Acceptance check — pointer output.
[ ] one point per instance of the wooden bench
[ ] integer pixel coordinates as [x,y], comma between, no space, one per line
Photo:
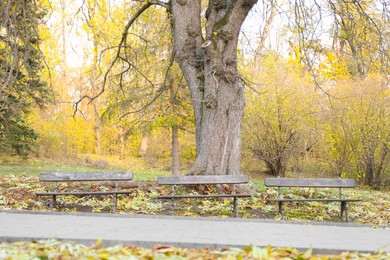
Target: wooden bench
[175,181]
[58,177]
[312,183]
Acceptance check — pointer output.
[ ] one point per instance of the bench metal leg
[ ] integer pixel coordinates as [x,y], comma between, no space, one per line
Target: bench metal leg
[346,212]
[173,200]
[116,197]
[53,202]
[235,207]
[54,197]
[281,209]
[115,203]
[173,207]
[344,208]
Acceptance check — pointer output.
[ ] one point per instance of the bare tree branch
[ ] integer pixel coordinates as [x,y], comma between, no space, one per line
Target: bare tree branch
[159,93]
[121,45]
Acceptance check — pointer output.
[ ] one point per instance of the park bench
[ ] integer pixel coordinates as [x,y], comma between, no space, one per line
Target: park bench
[176,181]
[96,177]
[312,183]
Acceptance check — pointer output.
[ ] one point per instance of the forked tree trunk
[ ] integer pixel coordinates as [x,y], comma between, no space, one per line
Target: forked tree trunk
[210,69]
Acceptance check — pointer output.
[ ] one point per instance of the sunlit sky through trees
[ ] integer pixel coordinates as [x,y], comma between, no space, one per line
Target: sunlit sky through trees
[77,41]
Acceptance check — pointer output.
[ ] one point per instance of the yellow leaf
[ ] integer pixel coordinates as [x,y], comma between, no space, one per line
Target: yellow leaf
[104,256]
[308,253]
[98,242]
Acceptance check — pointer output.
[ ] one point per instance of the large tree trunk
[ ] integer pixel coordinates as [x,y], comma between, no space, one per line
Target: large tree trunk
[210,69]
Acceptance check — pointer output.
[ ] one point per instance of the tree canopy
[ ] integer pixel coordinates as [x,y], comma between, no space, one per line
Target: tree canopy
[305,89]
[21,63]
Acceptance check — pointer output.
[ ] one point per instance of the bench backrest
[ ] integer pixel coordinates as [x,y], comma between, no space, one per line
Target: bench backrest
[86,176]
[208,179]
[310,182]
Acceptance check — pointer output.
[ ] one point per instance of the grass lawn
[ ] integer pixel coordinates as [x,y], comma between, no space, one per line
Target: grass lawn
[19,182]
[35,167]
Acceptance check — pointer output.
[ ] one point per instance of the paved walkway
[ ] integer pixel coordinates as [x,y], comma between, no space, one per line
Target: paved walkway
[146,231]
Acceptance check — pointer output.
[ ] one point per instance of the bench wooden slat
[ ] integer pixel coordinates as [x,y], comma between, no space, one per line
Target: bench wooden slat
[191,180]
[205,196]
[82,193]
[56,177]
[204,180]
[85,176]
[310,182]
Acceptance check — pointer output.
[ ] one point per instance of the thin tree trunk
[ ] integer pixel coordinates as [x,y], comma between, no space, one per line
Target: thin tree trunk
[122,143]
[63,38]
[369,171]
[144,143]
[98,139]
[188,40]
[175,151]
[270,15]
[175,130]
[381,166]
[98,147]
[93,77]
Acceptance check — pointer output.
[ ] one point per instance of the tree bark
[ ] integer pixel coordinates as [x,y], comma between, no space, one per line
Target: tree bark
[210,68]
[98,123]
[175,130]
[144,143]
[175,151]
[122,143]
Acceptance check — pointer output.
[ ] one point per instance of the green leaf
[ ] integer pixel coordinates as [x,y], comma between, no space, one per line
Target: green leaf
[259,253]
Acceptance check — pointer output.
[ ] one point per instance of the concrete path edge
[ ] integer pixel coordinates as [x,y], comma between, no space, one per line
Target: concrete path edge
[197,243]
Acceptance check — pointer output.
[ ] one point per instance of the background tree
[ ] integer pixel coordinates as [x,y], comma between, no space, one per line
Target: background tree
[20,64]
[359,130]
[358,33]
[269,13]
[146,87]
[209,65]
[281,115]
[60,135]
[360,60]
[146,95]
